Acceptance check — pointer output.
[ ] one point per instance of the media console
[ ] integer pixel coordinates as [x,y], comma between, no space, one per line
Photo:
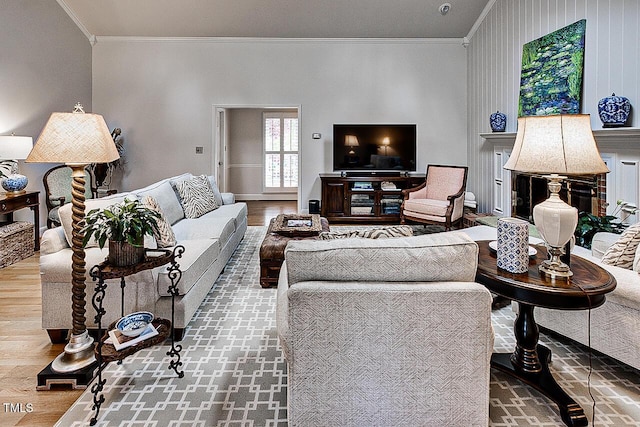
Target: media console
[364,197]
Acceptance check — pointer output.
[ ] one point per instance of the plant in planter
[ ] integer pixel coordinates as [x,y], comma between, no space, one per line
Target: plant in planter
[125,226]
[589,225]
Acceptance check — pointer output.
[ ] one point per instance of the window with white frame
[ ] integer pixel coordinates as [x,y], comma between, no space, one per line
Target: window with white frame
[280,151]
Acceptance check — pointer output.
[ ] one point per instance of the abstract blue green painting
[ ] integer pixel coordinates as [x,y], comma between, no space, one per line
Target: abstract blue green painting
[551,76]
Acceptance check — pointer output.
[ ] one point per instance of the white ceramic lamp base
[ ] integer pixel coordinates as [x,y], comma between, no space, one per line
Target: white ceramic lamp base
[556,221]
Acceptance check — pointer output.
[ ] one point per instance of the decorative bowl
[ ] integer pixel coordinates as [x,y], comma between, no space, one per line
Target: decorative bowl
[133,324]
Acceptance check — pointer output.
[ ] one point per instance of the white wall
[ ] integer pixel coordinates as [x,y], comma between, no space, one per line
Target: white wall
[161,93]
[46,67]
[612,52]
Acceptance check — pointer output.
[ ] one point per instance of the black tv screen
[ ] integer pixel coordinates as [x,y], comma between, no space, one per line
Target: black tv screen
[374,147]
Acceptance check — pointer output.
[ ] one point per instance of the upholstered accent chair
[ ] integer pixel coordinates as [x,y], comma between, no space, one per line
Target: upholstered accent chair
[385,332]
[57,189]
[439,200]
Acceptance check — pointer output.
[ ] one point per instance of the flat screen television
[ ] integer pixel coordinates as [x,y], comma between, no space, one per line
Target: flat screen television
[374,147]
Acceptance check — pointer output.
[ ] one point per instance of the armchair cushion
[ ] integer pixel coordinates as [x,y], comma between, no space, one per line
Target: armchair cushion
[443,182]
[427,206]
[432,257]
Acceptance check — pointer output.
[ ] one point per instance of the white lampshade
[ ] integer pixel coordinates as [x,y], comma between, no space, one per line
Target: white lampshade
[74,138]
[561,144]
[555,145]
[351,141]
[15,147]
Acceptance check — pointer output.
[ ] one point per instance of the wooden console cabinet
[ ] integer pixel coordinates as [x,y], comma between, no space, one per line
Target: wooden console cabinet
[363,198]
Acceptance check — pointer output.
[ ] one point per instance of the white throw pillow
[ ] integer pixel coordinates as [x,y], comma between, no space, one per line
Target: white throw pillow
[216,191]
[164,235]
[196,196]
[89,205]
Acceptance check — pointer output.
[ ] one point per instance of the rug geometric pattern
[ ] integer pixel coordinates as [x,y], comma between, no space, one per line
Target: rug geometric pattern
[235,373]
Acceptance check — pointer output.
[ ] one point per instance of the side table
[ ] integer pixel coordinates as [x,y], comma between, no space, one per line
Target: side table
[529,362]
[105,354]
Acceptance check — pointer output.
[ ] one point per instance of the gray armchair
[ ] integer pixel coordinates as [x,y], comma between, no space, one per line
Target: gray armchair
[386,332]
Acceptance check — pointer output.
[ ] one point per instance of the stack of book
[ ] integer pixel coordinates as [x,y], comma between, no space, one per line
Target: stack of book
[121,341]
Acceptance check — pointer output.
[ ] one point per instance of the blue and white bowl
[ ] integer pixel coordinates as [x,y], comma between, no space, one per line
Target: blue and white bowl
[133,324]
[14,183]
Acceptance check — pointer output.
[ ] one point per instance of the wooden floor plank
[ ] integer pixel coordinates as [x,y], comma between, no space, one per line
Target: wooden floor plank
[25,348]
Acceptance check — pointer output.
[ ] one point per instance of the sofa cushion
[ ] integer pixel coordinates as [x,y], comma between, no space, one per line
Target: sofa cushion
[205,228]
[216,191]
[197,258]
[433,257]
[196,196]
[623,251]
[89,205]
[166,197]
[601,242]
[164,235]
[370,233]
[237,211]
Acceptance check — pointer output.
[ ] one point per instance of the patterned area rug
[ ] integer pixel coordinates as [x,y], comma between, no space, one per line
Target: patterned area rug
[235,374]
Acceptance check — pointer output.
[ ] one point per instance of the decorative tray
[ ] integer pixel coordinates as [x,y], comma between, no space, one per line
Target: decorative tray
[297,225]
[110,354]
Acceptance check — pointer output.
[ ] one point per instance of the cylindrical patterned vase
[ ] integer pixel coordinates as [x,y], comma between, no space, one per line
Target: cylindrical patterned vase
[513,245]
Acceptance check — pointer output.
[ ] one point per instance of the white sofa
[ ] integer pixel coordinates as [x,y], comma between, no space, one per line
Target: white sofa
[209,242]
[615,325]
[386,332]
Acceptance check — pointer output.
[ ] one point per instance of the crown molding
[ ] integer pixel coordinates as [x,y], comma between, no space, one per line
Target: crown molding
[480,19]
[282,40]
[76,20]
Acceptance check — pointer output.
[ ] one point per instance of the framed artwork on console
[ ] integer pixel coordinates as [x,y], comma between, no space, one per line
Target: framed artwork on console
[551,75]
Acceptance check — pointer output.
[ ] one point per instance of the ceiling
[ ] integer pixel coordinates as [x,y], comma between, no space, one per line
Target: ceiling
[275,18]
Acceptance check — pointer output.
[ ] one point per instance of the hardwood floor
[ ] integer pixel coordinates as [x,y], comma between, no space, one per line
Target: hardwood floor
[25,348]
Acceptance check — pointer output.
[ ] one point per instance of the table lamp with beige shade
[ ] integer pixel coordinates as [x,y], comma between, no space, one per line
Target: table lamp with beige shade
[555,146]
[76,139]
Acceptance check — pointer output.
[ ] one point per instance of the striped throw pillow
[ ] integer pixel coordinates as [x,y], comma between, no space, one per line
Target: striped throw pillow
[196,196]
[623,251]
[164,235]
[371,233]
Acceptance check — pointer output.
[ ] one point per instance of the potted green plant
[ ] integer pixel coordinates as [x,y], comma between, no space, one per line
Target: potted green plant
[589,224]
[124,225]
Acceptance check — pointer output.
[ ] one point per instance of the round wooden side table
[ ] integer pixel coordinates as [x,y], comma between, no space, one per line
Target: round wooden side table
[529,362]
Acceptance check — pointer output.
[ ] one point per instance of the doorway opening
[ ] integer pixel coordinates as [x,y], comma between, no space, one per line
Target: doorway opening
[253,156]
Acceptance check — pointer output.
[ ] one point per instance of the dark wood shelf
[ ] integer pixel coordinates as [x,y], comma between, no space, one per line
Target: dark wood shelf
[110,354]
[340,205]
[152,258]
